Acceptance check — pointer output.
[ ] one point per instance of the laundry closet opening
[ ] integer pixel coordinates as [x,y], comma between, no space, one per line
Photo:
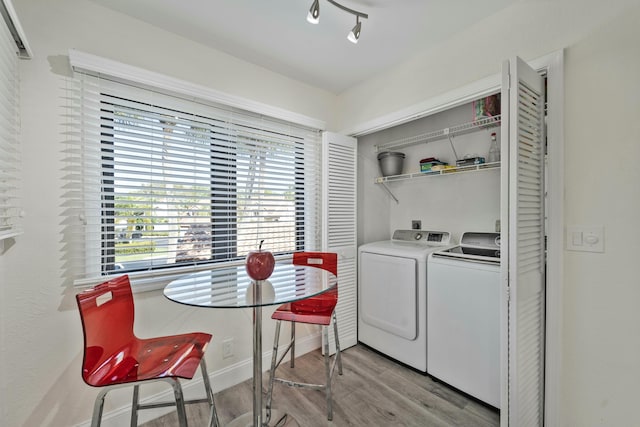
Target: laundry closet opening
[450,181]
[456,188]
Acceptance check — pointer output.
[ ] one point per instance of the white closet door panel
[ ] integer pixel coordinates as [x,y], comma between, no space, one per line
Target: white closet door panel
[524,256]
[339,231]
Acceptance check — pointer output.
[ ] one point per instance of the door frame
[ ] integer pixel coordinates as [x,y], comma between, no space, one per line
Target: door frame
[553,66]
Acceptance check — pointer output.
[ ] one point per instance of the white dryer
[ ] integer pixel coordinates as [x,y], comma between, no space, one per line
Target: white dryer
[392,294]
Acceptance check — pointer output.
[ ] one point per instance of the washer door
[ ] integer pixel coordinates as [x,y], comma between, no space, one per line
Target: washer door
[388,294]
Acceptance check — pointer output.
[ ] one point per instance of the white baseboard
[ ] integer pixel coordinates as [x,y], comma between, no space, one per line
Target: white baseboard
[220,380]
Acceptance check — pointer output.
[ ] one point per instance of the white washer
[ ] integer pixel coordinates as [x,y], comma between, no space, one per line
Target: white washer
[392,294]
[463,316]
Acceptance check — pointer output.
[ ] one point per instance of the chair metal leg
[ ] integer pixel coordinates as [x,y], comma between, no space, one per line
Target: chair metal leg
[293,344]
[96,419]
[335,335]
[177,392]
[327,368]
[134,406]
[272,371]
[213,418]
[179,401]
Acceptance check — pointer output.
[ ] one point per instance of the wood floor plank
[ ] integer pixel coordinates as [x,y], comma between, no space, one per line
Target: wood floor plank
[373,391]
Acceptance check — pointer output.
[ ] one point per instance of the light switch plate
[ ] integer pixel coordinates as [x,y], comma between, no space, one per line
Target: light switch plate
[585,239]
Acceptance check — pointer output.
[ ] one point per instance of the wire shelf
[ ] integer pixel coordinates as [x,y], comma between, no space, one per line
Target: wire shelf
[456,170]
[487,122]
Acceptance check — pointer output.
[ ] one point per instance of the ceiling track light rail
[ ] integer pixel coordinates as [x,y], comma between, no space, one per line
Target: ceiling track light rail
[353,36]
[346,9]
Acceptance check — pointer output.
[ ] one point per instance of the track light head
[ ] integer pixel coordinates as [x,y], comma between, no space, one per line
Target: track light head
[314,12]
[354,35]
[314,17]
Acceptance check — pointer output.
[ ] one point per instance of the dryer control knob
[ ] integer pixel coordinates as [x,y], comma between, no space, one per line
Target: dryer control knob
[417,236]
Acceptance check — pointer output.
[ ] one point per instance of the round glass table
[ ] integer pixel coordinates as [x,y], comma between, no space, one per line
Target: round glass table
[231,287]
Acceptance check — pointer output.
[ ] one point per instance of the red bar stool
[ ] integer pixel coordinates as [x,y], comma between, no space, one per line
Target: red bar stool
[318,310]
[114,357]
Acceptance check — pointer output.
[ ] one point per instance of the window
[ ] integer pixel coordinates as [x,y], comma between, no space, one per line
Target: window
[167,182]
[13,46]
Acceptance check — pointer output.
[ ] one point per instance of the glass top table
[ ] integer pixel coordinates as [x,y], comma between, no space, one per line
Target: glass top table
[231,287]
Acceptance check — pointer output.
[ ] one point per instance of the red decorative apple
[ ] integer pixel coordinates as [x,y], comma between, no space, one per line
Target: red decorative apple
[260,264]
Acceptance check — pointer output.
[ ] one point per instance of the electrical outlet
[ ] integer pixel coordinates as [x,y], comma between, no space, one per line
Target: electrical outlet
[227,348]
[416,224]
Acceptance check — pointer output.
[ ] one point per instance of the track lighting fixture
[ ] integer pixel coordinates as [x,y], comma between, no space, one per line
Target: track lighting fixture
[314,12]
[353,36]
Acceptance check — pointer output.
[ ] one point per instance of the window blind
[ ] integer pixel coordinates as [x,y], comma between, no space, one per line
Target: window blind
[158,182]
[10,159]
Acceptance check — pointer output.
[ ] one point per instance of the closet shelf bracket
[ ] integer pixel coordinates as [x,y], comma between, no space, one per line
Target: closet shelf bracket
[379,181]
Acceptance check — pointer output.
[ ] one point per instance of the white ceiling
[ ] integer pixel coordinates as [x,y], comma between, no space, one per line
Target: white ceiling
[274,34]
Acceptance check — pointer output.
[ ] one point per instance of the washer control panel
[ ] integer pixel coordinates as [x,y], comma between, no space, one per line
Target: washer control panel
[480,240]
[436,238]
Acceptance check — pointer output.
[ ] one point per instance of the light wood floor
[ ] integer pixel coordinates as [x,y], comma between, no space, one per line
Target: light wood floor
[373,391]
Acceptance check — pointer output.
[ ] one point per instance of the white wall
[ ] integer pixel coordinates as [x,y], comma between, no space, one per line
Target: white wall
[41,335]
[602,187]
[528,28]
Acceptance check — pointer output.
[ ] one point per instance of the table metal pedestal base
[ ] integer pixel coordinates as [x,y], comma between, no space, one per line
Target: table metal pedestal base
[278,419]
[257,417]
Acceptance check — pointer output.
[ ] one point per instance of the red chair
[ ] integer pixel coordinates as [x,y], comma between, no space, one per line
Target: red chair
[317,310]
[114,357]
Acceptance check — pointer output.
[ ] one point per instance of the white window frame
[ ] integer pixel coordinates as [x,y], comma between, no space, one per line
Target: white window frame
[90,64]
[13,46]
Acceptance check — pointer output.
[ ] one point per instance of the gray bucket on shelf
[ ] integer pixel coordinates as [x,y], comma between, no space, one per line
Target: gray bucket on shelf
[390,162]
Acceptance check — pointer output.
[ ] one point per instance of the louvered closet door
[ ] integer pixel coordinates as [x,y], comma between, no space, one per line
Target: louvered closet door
[339,228]
[523,136]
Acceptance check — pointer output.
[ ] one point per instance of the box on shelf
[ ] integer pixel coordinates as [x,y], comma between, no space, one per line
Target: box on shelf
[443,168]
[488,106]
[470,161]
[427,164]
